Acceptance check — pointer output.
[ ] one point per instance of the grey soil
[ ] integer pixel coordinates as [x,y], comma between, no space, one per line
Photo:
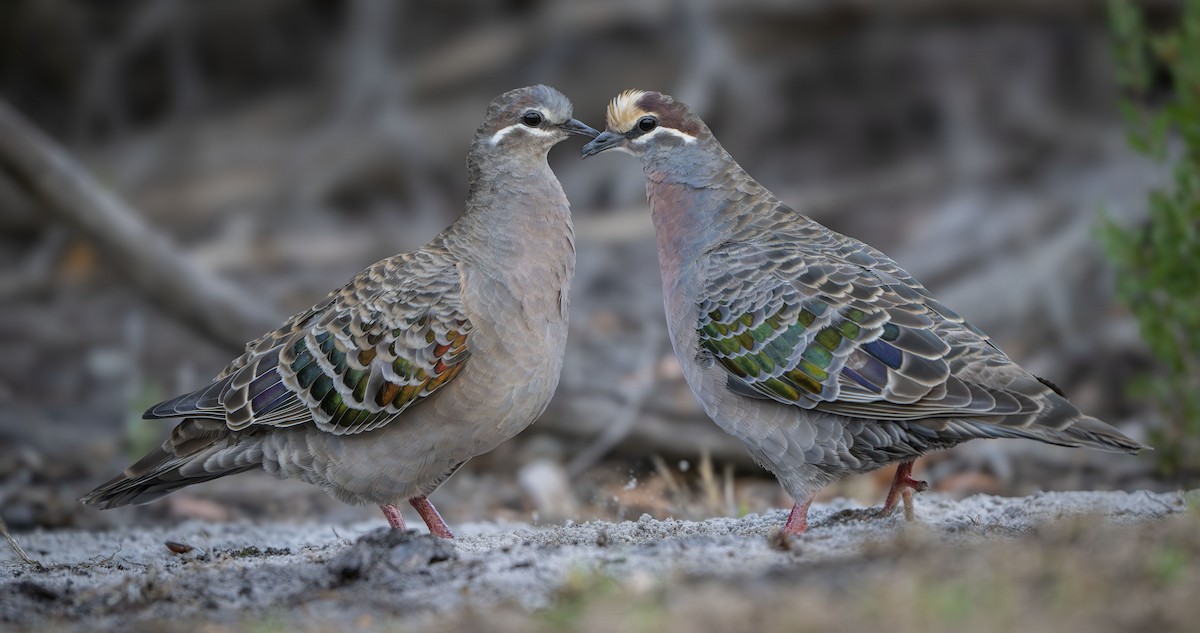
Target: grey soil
[305,572]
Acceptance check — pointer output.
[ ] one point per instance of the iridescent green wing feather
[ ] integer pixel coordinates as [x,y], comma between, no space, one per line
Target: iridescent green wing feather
[391,337]
[802,315]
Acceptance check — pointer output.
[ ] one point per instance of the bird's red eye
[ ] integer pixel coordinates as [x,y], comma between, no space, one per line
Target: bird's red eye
[647,123]
[532,119]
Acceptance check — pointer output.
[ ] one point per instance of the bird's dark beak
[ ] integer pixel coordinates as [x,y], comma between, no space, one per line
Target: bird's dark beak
[606,140]
[575,126]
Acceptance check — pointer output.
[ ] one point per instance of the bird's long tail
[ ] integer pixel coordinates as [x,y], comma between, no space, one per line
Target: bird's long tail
[1059,423]
[1086,431]
[198,450]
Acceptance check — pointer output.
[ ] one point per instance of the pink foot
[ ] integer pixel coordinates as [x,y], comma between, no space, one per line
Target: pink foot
[393,516]
[429,514]
[903,486]
[797,521]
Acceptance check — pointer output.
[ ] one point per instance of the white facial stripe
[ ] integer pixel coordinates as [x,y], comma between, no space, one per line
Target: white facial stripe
[502,133]
[499,135]
[687,138]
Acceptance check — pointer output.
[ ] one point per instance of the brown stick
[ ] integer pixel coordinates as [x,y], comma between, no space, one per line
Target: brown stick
[673,437]
[195,296]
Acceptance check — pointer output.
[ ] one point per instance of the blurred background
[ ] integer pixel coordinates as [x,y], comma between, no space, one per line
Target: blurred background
[280,146]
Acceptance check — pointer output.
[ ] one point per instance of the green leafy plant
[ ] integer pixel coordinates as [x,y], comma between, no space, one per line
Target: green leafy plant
[1158,262]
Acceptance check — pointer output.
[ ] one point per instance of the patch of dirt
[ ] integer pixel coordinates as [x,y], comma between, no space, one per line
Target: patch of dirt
[322,577]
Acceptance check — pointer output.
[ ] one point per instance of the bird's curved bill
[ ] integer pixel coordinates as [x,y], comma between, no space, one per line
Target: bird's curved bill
[575,126]
[605,141]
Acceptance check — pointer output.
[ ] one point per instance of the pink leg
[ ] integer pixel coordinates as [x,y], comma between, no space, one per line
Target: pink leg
[797,521]
[904,486]
[393,516]
[437,526]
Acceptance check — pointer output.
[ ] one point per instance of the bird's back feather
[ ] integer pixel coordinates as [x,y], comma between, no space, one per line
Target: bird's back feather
[392,336]
[802,315]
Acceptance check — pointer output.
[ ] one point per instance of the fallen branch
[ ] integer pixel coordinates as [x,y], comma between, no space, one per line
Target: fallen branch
[37,271]
[672,436]
[196,297]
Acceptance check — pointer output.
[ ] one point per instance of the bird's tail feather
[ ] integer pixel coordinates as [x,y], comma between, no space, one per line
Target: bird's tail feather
[1081,431]
[1092,433]
[1063,423]
[197,451]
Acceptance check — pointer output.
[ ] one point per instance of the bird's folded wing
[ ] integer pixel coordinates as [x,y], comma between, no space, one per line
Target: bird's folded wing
[813,318]
[392,336]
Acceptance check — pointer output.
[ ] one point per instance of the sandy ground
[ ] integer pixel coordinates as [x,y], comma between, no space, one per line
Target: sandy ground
[295,575]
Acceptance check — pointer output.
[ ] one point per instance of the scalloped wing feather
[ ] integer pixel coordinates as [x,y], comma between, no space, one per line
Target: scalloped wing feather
[799,314]
[385,341]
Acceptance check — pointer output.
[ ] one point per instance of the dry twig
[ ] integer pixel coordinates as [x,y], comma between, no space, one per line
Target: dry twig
[207,303]
[16,547]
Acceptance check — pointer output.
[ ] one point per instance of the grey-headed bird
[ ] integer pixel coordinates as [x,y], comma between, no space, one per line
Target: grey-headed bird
[424,360]
[817,351]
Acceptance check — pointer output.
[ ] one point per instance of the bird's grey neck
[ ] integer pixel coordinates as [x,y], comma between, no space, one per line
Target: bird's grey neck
[506,179]
[487,162]
[515,208]
[701,164]
[695,208]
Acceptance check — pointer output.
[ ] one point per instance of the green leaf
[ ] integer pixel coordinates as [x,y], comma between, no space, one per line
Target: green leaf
[1156,261]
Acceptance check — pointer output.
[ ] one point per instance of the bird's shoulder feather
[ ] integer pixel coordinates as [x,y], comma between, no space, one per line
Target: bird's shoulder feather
[800,314]
[392,336]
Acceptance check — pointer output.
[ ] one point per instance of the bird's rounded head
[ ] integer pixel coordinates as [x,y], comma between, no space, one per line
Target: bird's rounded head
[535,118]
[644,123]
